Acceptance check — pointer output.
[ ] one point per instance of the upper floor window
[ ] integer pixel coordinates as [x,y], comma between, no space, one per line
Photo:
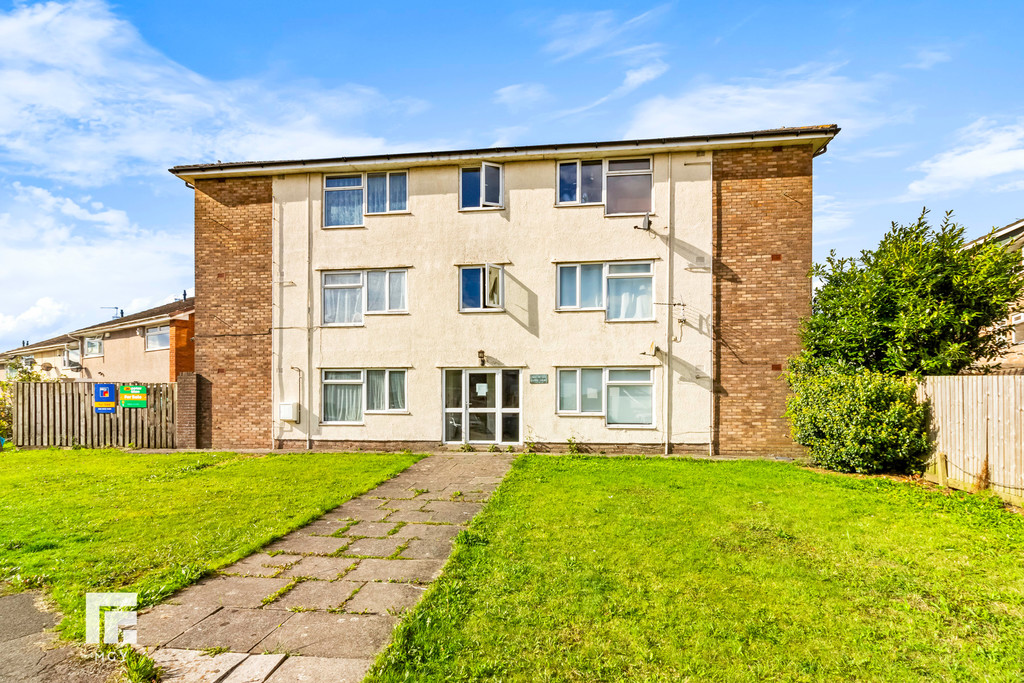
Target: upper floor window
[623,290]
[72,357]
[348,197]
[347,295]
[624,186]
[93,346]
[158,337]
[481,186]
[481,288]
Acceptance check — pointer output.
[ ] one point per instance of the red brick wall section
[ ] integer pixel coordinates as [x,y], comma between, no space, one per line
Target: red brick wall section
[233,312]
[183,348]
[762,257]
[185,415]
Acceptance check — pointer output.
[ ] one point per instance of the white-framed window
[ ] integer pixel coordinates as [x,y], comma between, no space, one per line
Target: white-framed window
[158,337]
[349,294]
[347,395]
[624,290]
[481,288]
[93,347]
[481,186]
[347,198]
[72,357]
[624,396]
[624,186]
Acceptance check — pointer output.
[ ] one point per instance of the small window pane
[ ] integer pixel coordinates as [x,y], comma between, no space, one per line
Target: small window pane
[158,338]
[590,182]
[629,375]
[343,207]
[343,279]
[626,268]
[493,287]
[376,193]
[629,298]
[630,405]
[396,285]
[343,305]
[472,287]
[629,165]
[342,403]
[375,390]
[567,287]
[453,426]
[567,390]
[629,194]
[509,388]
[376,290]
[510,427]
[349,181]
[453,389]
[482,392]
[567,182]
[481,427]
[492,184]
[590,390]
[399,192]
[591,288]
[343,375]
[470,188]
[396,390]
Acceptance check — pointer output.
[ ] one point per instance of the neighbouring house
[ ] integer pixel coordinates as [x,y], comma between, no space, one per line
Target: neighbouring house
[637,295]
[154,345]
[1012,238]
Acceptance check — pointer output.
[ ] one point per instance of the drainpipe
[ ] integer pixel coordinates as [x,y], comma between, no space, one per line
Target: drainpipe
[669,329]
[309,313]
[711,325]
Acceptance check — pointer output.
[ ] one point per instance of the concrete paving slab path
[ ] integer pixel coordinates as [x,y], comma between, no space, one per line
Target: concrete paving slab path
[320,603]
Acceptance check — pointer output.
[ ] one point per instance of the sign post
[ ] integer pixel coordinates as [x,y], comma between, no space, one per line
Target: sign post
[132,396]
[104,398]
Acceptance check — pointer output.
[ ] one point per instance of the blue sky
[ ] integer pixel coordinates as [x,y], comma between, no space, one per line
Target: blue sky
[97,100]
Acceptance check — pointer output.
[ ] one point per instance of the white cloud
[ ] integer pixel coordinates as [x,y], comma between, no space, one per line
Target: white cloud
[41,314]
[830,216]
[927,58]
[810,95]
[521,95]
[982,151]
[63,262]
[85,99]
[633,79]
[582,32]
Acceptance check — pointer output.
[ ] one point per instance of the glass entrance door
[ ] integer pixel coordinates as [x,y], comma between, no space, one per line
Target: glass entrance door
[481,406]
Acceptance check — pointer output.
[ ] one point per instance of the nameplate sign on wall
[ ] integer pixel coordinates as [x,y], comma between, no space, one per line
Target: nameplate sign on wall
[538,379]
[132,396]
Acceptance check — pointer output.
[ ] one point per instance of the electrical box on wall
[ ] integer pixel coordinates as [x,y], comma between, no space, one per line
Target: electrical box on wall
[288,412]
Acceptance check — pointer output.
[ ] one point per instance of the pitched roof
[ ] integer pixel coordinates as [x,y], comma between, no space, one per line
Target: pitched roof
[171,309]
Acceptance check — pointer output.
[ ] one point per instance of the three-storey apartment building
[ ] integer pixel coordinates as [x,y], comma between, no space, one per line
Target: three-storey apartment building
[631,296]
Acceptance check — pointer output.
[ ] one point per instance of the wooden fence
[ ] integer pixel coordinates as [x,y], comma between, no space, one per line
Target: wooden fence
[977,426]
[62,414]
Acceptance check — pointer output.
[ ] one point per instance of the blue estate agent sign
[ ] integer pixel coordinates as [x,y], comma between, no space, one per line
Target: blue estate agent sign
[104,398]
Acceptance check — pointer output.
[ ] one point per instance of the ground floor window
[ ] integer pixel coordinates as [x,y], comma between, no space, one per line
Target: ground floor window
[482,406]
[348,394]
[624,396]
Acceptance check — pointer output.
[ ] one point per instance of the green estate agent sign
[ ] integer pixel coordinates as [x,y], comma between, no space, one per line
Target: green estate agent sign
[132,396]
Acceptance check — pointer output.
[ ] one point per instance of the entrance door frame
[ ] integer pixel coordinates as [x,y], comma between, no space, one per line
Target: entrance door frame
[497,411]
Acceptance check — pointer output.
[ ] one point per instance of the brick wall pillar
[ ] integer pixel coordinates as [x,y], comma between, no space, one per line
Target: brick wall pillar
[185,420]
[761,246]
[183,349]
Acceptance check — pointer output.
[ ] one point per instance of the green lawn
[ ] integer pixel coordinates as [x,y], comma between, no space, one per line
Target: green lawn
[608,569]
[81,521]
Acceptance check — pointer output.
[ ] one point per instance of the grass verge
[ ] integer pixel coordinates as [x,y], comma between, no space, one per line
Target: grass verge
[615,569]
[81,521]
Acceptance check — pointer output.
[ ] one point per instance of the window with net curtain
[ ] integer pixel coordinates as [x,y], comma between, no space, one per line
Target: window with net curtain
[343,295]
[344,392]
[624,396]
[624,290]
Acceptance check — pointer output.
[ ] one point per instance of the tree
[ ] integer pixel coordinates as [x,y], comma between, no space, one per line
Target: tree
[919,303]
[16,372]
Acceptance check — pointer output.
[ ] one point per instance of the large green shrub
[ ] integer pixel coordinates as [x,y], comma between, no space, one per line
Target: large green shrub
[855,420]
